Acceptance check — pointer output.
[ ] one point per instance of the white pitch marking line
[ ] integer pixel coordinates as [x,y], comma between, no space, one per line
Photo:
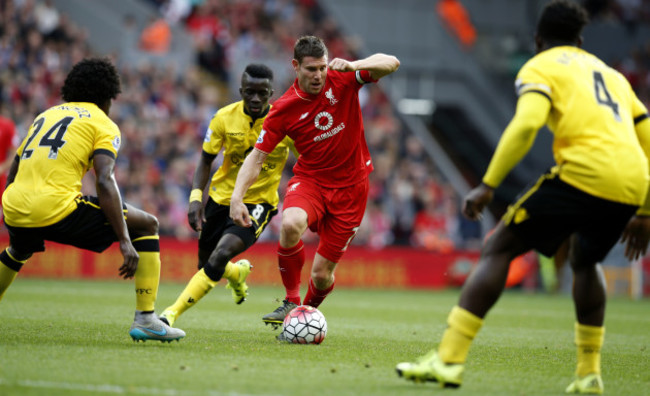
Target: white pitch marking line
[118,389]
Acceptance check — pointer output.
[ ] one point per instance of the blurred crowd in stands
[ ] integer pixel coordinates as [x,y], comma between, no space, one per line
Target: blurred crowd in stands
[628,12]
[163,116]
[636,68]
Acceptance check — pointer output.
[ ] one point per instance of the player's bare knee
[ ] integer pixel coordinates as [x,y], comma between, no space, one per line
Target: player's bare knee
[215,266]
[152,225]
[322,279]
[221,255]
[291,230]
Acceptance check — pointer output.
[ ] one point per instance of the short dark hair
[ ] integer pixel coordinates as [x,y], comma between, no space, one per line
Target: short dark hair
[309,46]
[258,70]
[562,21]
[93,80]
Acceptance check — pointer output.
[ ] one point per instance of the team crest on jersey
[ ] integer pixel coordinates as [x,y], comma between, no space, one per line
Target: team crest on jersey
[116,143]
[260,138]
[329,95]
[208,133]
[323,121]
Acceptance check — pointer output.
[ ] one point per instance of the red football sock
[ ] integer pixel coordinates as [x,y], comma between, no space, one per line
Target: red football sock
[290,262]
[316,296]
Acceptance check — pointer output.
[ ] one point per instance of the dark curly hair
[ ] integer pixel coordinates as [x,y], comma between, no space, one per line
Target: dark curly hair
[309,46]
[562,21]
[258,70]
[93,80]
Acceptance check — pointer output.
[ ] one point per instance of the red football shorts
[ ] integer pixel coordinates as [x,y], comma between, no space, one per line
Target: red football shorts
[334,213]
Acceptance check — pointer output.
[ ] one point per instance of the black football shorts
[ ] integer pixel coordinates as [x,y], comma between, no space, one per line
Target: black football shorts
[551,210]
[218,222]
[86,228]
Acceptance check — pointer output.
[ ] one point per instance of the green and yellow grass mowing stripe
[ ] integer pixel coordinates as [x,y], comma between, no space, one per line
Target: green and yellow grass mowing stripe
[70,338]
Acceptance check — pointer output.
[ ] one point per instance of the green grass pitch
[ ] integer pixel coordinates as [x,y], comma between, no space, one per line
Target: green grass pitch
[70,338]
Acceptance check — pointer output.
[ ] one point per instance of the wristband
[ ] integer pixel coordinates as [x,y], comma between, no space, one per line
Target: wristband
[196,195]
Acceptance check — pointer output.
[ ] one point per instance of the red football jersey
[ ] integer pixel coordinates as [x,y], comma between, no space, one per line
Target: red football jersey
[7,141]
[327,130]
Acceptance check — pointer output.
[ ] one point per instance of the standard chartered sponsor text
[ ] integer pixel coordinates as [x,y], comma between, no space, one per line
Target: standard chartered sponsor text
[330,133]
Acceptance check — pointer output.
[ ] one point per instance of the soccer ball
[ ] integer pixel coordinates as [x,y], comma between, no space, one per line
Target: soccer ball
[305,325]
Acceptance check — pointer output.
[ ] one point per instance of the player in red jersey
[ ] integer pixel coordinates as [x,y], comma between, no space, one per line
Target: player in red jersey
[328,192]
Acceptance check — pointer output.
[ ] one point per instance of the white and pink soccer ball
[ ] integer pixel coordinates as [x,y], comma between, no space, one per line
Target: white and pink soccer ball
[305,325]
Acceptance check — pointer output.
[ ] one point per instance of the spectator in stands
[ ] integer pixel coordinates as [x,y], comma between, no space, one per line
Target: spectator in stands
[47,17]
[375,230]
[456,17]
[156,37]
[431,228]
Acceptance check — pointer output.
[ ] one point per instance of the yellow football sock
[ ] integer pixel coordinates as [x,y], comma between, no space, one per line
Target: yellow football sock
[589,341]
[196,288]
[9,268]
[7,275]
[147,276]
[457,338]
[231,272]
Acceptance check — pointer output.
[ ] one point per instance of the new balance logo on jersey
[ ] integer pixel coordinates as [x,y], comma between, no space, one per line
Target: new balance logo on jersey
[303,116]
[329,95]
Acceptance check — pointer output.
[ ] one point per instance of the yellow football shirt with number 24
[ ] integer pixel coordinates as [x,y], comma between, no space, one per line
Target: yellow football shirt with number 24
[54,156]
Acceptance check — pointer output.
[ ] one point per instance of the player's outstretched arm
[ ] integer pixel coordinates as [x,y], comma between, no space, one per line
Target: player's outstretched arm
[111,203]
[379,65]
[518,137]
[476,200]
[516,141]
[247,175]
[201,176]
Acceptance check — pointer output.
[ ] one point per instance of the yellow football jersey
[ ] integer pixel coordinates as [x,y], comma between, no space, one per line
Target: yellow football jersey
[593,110]
[54,156]
[234,131]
